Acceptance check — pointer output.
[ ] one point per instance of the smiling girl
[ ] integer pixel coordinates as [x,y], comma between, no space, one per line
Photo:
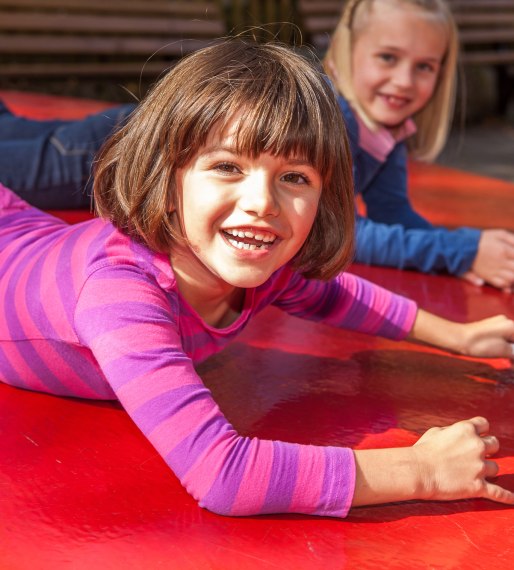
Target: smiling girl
[393,63]
[229,189]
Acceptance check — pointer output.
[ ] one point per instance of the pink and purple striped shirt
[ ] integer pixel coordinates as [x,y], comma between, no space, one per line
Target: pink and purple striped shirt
[88,312]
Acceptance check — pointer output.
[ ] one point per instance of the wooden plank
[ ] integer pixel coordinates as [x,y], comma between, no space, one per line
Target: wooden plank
[192,7]
[484,19]
[16,21]
[37,22]
[469,5]
[86,69]
[487,36]
[488,57]
[314,7]
[75,45]
[319,24]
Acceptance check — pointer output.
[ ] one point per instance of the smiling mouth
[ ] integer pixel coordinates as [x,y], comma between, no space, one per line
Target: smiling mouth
[396,101]
[249,239]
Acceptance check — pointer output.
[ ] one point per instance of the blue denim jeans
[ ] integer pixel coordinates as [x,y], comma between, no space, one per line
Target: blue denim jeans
[48,163]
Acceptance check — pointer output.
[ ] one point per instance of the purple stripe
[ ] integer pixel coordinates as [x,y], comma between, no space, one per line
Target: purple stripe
[33,361]
[92,322]
[125,369]
[226,486]
[335,490]
[284,472]
[153,412]
[185,454]
[360,309]
[27,352]
[64,276]
[8,373]
[396,327]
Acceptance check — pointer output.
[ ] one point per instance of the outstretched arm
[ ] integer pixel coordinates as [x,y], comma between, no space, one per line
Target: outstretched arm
[488,338]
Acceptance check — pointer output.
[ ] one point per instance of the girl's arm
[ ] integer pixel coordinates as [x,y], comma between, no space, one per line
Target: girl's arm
[488,338]
[446,463]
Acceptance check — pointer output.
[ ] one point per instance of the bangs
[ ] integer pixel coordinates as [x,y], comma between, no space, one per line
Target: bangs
[281,105]
[280,119]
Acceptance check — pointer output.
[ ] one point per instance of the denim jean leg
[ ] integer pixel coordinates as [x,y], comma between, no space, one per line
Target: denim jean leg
[54,170]
[13,127]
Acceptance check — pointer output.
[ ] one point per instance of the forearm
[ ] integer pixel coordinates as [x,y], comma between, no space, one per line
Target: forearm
[385,476]
[437,331]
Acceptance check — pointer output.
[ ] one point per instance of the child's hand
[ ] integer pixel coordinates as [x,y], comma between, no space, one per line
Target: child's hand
[494,262]
[489,338]
[454,464]
[446,463]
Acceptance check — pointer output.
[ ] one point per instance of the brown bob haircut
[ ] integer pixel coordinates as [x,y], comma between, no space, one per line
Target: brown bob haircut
[284,107]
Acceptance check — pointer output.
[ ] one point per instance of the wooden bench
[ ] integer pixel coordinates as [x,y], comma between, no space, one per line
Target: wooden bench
[486,31]
[94,38]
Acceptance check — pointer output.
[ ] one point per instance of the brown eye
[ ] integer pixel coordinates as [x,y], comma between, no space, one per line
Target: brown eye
[227,168]
[295,178]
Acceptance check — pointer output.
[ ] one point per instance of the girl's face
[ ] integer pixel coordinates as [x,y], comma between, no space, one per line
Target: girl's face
[396,61]
[243,217]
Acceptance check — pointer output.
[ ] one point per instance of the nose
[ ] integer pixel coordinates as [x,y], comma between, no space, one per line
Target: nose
[259,195]
[403,76]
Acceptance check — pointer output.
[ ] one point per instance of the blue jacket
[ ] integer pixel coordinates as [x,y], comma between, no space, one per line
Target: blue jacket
[393,234]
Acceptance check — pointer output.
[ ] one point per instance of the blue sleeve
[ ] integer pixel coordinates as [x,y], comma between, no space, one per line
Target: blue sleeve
[427,250]
[393,234]
[386,195]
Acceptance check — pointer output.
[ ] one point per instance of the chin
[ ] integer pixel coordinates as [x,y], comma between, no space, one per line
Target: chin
[247,281]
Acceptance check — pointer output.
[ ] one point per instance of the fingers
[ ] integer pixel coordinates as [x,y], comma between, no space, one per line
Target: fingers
[473,278]
[480,424]
[492,445]
[498,494]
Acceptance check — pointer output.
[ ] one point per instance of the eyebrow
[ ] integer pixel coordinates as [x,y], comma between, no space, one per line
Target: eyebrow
[400,50]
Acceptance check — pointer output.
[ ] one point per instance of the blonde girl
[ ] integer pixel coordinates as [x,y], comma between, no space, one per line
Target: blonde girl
[228,189]
[393,64]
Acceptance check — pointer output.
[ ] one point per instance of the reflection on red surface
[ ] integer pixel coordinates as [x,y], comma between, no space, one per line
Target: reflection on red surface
[80,487]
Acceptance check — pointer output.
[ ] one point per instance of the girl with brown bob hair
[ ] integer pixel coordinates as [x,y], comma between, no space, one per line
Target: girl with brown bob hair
[229,189]
[286,108]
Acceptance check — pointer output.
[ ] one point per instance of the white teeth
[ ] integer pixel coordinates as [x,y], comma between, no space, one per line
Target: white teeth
[264,237]
[241,245]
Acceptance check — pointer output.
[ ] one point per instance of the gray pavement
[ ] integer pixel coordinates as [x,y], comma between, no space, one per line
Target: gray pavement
[487,149]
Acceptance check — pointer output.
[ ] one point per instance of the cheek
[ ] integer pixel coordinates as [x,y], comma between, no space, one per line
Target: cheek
[426,91]
[305,213]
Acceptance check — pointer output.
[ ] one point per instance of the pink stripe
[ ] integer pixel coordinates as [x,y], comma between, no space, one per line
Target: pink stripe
[49,289]
[79,253]
[202,475]
[157,382]
[128,340]
[254,485]
[309,482]
[107,291]
[172,431]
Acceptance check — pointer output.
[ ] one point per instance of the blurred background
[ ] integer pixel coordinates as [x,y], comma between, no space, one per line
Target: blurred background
[115,49]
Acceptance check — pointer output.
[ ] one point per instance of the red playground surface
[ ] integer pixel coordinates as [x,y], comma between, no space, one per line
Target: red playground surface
[81,488]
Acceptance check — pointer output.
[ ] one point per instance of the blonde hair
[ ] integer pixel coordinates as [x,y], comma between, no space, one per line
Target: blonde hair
[284,107]
[431,134]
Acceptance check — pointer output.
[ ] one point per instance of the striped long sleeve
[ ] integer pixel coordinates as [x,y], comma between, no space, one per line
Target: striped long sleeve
[87,312]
